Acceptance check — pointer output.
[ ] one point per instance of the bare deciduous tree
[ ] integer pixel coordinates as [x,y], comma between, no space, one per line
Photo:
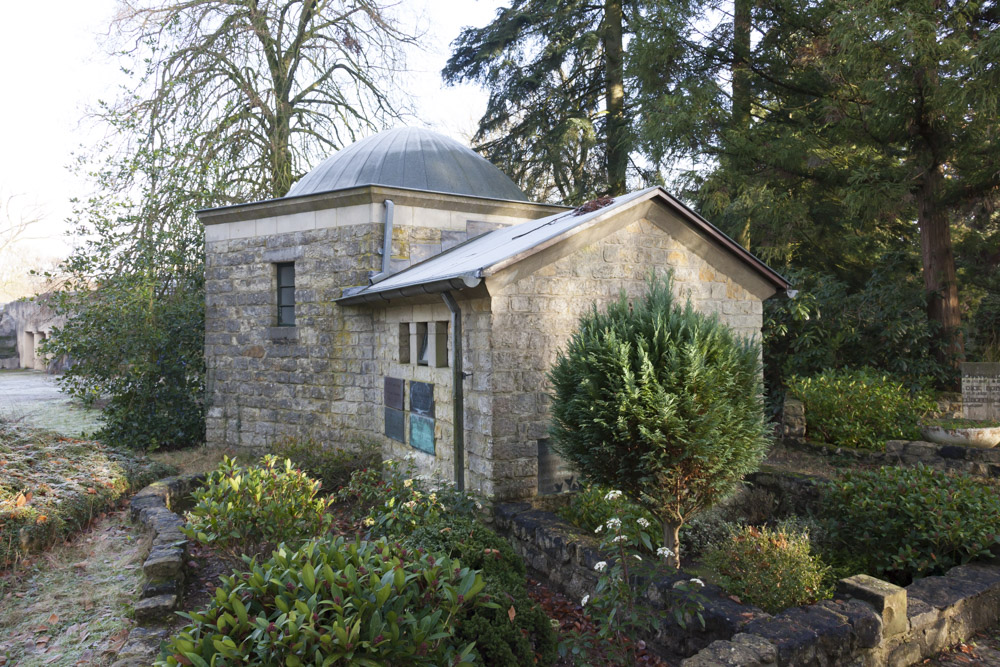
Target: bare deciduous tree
[18,257]
[262,87]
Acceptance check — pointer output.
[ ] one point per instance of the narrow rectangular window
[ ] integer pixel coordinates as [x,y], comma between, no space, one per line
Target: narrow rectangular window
[286,294]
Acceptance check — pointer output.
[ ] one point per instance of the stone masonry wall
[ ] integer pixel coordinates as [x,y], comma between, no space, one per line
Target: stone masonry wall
[321,378]
[868,623]
[314,379]
[475,328]
[533,317]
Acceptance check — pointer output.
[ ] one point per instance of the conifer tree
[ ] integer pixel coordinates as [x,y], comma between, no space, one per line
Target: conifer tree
[662,402]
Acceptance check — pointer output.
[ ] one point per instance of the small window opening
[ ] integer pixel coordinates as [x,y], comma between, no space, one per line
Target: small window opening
[286,294]
[422,358]
[424,344]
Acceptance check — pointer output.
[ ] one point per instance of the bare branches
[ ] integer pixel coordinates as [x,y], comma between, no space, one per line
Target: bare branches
[252,75]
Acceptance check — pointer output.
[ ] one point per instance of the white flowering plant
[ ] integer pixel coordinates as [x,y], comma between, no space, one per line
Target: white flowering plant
[390,501]
[614,604]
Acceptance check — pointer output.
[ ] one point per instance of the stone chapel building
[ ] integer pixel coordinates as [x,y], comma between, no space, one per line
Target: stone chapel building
[406,292]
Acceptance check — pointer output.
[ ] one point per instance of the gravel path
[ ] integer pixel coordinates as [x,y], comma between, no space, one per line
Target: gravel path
[34,397]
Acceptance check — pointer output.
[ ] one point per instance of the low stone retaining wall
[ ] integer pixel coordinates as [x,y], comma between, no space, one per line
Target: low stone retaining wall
[870,622]
[951,458]
[164,567]
[561,554]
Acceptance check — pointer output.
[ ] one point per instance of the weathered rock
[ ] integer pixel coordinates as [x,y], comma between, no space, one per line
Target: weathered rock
[156,608]
[157,587]
[741,651]
[164,563]
[887,599]
[795,643]
[793,419]
[866,624]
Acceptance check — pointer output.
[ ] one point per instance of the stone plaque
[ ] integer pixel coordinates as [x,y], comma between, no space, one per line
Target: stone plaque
[422,433]
[422,398]
[981,390]
[394,393]
[554,476]
[395,424]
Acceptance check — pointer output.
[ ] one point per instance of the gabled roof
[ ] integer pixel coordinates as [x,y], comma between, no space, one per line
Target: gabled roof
[466,264]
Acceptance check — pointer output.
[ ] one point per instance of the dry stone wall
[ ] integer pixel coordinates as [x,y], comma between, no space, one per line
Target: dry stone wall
[868,623]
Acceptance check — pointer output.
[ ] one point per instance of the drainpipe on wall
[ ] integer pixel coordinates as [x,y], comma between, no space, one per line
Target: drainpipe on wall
[457,393]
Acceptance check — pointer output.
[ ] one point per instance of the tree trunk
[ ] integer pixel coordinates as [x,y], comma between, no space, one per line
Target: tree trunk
[741,84]
[617,126]
[741,63]
[281,151]
[672,541]
[940,282]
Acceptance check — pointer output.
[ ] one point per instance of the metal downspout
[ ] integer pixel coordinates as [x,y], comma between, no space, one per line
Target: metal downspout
[457,393]
[390,206]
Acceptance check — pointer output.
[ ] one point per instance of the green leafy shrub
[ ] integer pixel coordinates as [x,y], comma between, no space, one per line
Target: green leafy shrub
[249,510]
[706,531]
[332,467]
[830,324]
[390,502]
[859,408]
[662,402]
[334,602]
[137,341]
[615,604]
[903,523]
[768,567]
[500,640]
[588,509]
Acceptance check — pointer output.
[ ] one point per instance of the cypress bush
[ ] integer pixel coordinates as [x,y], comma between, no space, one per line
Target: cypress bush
[662,402]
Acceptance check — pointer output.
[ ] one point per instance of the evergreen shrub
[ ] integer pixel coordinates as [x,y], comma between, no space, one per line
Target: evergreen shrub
[662,402]
[332,467]
[334,602]
[249,510]
[527,637]
[859,408]
[830,324]
[903,523]
[772,568]
[389,502]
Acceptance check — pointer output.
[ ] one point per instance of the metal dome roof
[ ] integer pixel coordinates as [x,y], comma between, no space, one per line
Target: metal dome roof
[409,158]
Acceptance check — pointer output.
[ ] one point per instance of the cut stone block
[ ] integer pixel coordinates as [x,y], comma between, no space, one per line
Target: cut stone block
[155,608]
[888,600]
[164,563]
[157,587]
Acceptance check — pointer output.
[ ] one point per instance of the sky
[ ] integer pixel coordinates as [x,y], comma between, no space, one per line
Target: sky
[56,68]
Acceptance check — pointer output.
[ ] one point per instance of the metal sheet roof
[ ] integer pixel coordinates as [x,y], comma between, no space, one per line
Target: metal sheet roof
[413,158]
[463,265]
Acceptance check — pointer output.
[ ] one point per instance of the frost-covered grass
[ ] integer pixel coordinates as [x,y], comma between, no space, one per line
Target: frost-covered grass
[52,486]
[72,605]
